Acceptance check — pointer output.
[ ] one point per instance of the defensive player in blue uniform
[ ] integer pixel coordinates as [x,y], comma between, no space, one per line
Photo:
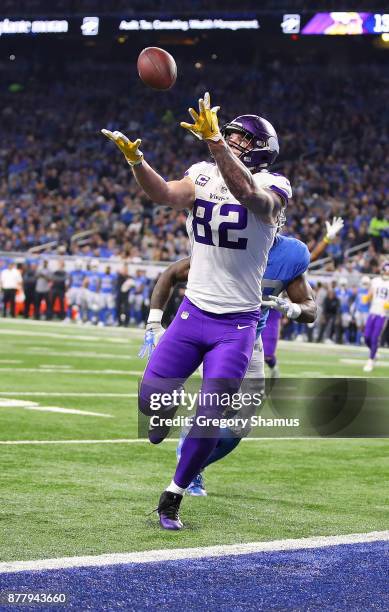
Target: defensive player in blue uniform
[271,332]
[288,260]
[108,286]
[361,307]
[74,294]
[93,294]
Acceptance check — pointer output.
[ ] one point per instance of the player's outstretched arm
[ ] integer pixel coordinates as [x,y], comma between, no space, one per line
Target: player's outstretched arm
[239,180]
[332,229]
[177,194]
[301,305]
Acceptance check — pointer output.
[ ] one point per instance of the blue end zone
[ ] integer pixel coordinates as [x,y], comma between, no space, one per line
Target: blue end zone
[346,577]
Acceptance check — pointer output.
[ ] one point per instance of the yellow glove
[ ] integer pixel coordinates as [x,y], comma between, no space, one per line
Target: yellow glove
[129,149]
[386,305]
[205,126]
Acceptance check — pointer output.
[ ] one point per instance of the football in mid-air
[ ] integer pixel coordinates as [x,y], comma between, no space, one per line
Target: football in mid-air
[157,68]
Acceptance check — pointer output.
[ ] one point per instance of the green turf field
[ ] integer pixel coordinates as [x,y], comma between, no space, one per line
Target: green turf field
[91,498]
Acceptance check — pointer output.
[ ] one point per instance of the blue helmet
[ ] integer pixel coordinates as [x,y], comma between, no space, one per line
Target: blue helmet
[263,138]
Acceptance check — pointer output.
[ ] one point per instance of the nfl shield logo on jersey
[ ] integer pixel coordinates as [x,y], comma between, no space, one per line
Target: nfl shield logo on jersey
[202,180]
[184,314]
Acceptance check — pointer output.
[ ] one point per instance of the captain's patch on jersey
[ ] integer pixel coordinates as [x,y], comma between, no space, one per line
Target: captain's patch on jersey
[202,180]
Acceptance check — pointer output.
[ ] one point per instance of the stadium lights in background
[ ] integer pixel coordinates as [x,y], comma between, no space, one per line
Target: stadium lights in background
[334,23]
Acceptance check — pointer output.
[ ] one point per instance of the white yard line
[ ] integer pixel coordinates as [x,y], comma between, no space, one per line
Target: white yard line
[361,362]
[114,441]
[85,354]
[11,361]
[45,334]
[171,554]
[146,441]
[327,348]
[68,411]
[6,402]
[70,328]
[63,394]
[73,371]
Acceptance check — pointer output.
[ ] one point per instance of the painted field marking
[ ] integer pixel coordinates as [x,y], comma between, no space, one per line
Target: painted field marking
[69,411]
[11,361]
[28,405]
[72,370]
[45,334]
[114,441]
[85,354]
[64,394]
[173,554]
[146,441]
[44,366]
[318,346]
[361,362]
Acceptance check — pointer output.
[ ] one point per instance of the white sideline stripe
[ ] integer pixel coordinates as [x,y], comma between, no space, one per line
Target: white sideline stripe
[172,554]
[64,394]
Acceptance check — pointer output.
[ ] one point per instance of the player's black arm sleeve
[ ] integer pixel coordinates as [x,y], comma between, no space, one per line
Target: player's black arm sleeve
[175,273]
[300,292]
[239,180]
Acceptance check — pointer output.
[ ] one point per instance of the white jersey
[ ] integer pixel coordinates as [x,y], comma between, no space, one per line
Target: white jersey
[380,292]
[230,244]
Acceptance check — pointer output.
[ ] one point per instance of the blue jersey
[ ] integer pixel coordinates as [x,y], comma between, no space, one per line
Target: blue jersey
[76,278]
[108,282]
[94,279]
[360,306]
[288,259]
[345,297]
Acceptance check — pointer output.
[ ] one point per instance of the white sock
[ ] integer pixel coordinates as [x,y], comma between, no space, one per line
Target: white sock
[173,488]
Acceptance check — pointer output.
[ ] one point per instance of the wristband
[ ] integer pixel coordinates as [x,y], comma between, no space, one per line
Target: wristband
[295,311]
[327,240]
[155,315]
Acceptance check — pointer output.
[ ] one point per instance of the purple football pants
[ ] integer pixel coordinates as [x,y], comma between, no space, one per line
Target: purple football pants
[373,330]
[224,344]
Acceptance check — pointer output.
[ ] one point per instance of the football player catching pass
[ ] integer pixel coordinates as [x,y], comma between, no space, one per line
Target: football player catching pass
[235,206]
[287,263]
[378,297]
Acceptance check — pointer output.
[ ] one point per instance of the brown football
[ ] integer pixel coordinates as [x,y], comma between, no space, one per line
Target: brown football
[157,68]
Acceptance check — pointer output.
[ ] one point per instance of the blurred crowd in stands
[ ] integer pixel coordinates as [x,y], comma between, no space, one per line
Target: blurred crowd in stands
[60,178]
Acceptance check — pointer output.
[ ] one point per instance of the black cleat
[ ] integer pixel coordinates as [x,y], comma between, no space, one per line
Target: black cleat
[159,431]
[169,504]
